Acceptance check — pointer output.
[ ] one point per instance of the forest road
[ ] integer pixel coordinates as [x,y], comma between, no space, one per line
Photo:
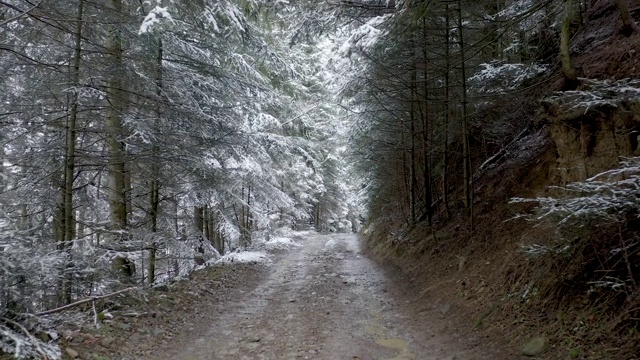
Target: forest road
[321,300]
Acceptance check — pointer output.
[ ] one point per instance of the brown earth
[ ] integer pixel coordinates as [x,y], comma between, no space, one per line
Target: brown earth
[322,300]
[481,271]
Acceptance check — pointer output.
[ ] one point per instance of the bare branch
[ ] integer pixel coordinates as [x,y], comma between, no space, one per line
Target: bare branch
[93,298]
[26,12]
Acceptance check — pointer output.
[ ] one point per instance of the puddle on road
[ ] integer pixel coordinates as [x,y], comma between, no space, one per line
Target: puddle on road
[382,337]
[401,346]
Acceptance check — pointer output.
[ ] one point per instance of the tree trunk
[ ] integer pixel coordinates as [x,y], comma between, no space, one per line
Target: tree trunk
[243,223]
[570,78]
[628,25]
[69,171]
[211,235]
[403,175]
[466,152]
[176,218]
[176,228]
[81,221]
[413,182]
[198,217]
[317,216]
[151,265]
[426,133]
[445,125]
[492,32]
[114,127]
[206,215]
[155,172]
[249,214]
[220,231]
[3,176]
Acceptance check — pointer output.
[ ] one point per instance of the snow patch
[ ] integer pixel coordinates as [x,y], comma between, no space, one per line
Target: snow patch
[26,347]
[303,233]
[280,243]
[497,77]
[365,37]
[153,18]
[596,93]
[331,243]
[245,257]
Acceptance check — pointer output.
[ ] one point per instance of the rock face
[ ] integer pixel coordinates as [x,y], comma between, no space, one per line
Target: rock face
[593,127]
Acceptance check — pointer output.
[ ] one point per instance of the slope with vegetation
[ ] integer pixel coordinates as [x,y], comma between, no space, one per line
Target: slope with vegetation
[498,142]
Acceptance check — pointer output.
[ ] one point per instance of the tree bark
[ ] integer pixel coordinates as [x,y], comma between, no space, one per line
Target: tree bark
[3,177]
[316,215]
[116,169]
[210,227]
[114,127]
[155,172]
[570,78]
[466,162]
[445,125]
[207,224]
[69,172]
[249,217]
[413,180]
[198,216]
[80,222]
[628,25]
[220,231]
[404,174]
[426,133]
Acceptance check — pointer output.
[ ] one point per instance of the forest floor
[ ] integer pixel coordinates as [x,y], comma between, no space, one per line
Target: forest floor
[322,299]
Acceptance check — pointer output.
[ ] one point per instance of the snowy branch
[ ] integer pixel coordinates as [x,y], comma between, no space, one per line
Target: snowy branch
[154,18]
[609,195]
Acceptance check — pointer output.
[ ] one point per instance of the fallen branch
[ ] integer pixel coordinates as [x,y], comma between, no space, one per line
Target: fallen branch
[93,298]
[33,339]
[131,314]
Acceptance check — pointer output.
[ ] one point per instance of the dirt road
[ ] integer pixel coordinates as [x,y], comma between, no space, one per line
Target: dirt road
[321,300]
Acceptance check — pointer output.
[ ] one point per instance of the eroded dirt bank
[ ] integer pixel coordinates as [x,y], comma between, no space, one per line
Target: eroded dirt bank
[322,300]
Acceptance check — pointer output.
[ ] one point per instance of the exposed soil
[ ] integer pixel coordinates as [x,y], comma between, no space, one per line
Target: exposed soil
[601,51]
[322,300]
[482,272]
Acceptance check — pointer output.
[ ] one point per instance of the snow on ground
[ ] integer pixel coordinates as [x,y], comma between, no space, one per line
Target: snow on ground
[283,239]
[280,243]
[331,243]
[302,233]
[246,257]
